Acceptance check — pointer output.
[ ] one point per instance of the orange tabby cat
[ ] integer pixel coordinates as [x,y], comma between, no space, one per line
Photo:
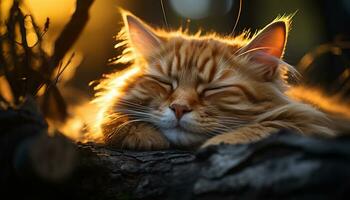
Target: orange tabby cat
[192,90]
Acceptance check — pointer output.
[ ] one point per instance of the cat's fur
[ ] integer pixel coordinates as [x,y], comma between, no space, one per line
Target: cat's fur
[191,90]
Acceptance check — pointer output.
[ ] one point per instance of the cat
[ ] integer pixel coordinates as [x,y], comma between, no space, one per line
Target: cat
[191,91]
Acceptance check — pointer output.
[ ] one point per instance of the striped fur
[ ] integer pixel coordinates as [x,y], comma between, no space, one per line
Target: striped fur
[227,90]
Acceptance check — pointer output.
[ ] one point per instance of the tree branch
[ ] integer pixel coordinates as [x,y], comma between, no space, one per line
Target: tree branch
[71,31]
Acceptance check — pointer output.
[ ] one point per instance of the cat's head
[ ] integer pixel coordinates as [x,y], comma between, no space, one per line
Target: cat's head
[194,87]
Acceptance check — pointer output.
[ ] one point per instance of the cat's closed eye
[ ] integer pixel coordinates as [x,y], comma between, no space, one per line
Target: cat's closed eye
[232,89]
[168,83]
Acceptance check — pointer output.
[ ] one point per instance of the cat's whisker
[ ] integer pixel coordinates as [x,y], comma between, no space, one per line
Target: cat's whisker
[231,117]
[238,17]
[131,103]
[245,52]
[123,125]
[128,116]
[136,106]
[255,49]
[232,121]
[126,111]
[229,59]
[221,58]
[214,132]
[127,107]
[114,116]
[137,114]
[120,127]
[217,129]
[164,14]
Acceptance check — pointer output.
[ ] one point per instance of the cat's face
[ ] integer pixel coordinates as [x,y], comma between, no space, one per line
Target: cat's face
[192,88]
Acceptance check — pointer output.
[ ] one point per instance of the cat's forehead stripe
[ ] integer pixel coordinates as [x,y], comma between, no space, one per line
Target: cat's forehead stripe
[158,68]
[202,62]
[174,66]
[182,58]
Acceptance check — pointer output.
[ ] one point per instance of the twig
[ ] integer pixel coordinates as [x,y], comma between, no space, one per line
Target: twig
[12,76]
[39,34]
[60,71]
[71,32]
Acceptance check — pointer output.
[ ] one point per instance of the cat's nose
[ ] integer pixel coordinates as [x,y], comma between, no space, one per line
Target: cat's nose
[180,110]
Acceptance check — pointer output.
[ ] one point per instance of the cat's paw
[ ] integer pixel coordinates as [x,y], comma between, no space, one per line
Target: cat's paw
[141,137]
[243,135]
[229,138]
[214,141]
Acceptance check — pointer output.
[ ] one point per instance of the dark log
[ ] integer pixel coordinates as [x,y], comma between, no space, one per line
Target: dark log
[283,166]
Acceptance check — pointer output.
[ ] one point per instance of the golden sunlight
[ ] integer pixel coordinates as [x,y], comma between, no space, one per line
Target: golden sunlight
[77,126]
[109,89]
[5,89]
[316,97]
[59,11]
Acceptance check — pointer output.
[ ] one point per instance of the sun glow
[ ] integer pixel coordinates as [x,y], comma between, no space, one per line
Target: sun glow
[315,97]
[109,89]
[85,123]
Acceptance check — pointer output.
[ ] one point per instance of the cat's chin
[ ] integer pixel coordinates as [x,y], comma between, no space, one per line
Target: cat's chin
[180,137]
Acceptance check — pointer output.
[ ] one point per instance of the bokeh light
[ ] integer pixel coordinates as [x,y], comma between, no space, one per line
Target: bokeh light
[199,9]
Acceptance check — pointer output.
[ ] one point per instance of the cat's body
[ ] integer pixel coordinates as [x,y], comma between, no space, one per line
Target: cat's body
[200,90]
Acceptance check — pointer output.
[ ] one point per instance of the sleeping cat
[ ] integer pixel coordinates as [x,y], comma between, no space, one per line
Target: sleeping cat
[190,90]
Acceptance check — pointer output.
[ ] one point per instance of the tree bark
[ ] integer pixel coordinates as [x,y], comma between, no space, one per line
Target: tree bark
[283,166]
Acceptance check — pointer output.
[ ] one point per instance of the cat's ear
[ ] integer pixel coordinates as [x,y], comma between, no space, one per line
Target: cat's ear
[271,40]
[142,37]
[267,47]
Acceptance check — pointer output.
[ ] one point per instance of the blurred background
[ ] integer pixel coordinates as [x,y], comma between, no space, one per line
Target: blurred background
[315,23]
